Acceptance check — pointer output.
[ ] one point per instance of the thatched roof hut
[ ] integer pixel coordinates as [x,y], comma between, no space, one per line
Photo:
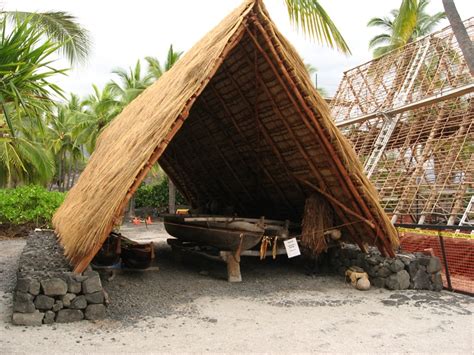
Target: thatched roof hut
[236,120]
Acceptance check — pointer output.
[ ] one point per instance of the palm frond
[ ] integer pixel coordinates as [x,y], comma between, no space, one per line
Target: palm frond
[405,23]
[171,58]
[60,27]
[380,40]
[380,51]
[311,69]
[312,19]
[383,22]
[154,67]
[428,23]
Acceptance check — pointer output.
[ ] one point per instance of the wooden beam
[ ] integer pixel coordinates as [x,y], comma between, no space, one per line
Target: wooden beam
[223,129]
[224,159]
[242,96]
[182,163]
[429,100]
[302,115]
[290,130]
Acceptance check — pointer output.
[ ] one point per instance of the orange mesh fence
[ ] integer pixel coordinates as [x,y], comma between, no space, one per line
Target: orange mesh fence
[459,249]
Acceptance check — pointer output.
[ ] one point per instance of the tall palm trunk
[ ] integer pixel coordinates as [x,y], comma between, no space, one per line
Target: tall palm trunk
[131,208]
[69,175]
[460,32]
[60,172]
[74,172]
[172,196]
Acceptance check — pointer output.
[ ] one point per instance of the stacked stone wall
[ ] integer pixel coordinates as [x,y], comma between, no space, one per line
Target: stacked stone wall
[406,271]
[48,291]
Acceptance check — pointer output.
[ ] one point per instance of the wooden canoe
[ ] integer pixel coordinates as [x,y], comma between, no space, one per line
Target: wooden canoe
[224,233]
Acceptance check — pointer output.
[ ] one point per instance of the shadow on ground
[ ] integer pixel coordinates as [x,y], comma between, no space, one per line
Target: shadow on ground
[173,289]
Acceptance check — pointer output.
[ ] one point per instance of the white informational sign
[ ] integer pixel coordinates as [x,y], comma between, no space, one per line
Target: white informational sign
[292,248]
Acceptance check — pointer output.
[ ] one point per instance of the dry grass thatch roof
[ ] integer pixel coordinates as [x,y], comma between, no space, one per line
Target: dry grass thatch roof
[236,120]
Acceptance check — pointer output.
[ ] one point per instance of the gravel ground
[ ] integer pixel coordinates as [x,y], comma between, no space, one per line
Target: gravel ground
[189,307]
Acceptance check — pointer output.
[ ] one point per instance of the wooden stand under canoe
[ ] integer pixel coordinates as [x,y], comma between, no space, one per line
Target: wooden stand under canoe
[230,235]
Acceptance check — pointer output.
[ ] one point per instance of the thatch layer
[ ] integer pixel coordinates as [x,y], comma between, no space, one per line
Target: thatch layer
[236,121]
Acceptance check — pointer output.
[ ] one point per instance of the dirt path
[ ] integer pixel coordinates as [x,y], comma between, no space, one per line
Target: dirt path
[277,308]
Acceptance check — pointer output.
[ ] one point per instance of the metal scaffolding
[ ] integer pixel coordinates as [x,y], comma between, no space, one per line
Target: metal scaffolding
[410,118]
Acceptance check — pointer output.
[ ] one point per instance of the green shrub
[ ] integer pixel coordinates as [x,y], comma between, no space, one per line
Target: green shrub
[156,196]
[29,204]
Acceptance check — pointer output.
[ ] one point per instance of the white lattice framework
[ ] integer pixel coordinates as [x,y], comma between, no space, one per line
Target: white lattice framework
[410,117]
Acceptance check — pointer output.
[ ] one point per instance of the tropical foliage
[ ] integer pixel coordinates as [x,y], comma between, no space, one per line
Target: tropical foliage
[313,72]
[57,26]
[46,142]
[314,21]
[403,25]
[28,204]
[156,195]
[28,45]
[25,94]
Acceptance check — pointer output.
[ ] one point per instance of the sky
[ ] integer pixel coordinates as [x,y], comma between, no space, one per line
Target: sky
[124,31]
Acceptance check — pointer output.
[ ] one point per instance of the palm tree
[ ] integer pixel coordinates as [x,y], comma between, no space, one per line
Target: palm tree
[132,83]
[403,26]
[27,43]
[58,27]
[95,113]
[312,70]
[313,20]
[25,93]
[62,139]
[156,70]
[460,32]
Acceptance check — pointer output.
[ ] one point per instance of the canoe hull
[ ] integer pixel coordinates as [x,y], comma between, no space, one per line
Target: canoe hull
[211,234]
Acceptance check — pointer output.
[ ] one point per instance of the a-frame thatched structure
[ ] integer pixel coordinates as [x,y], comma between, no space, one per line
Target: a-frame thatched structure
[236,120]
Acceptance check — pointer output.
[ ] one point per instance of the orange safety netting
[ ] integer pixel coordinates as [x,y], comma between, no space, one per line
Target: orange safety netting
[459,257]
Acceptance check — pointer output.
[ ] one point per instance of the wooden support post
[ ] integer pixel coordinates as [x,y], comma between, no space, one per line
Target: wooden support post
[172,176]
[233,266]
